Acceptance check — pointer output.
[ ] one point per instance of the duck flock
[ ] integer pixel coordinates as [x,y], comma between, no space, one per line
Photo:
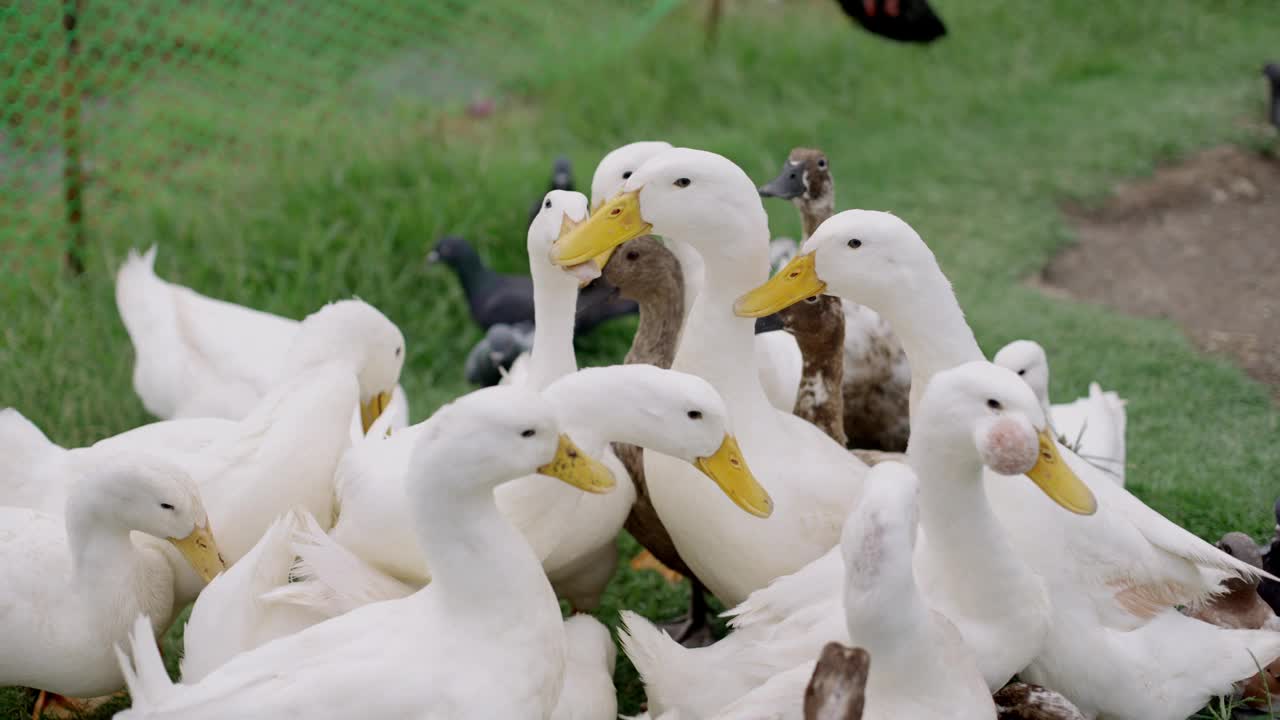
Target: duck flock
[900,528]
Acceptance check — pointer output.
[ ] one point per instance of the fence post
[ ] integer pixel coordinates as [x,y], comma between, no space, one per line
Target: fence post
[72,173]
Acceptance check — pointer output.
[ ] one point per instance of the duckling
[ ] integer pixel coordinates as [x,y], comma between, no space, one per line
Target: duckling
[1240,606]
[1024,701]
[494,297]
[876,385]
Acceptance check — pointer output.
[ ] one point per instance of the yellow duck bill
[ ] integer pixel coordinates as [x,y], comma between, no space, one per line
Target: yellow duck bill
[200,549]
[730,472]
[614,223]
[578,469]
[1057,480]
[370,411]
[794,282]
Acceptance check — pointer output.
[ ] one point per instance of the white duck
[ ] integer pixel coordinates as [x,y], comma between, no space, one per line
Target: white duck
[667,411]
[485,639]
[921,668]
[778,358]
[71,585]
[1110,574]
[705,200]
[974,416]
[1093,427]
[201,357]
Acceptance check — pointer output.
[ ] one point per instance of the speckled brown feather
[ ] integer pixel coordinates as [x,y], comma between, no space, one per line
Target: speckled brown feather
[1024,701]
[645,271]
[818,326]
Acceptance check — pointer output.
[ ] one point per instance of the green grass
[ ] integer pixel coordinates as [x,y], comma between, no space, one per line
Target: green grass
[291,200]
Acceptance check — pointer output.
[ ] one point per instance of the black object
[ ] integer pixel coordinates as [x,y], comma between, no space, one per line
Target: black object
[496,352]
[1272,71]
[561,179]
[911,21]
[769,323]
[495,297]
[1270,589]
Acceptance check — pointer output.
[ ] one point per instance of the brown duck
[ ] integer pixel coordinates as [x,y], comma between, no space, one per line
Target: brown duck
[876,383]
[645,271]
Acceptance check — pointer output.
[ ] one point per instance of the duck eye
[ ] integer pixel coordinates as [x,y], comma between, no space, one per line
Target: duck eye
[626,175]
[811,299]
[166,506]
[528,433]
[822,163]
[1023,371]
[547,204]
[994,404]
[398,351]
[855,243]
[683,182]
[632,255]
[695,414]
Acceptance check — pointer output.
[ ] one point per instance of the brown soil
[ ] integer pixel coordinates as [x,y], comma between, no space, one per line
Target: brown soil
[1198,243]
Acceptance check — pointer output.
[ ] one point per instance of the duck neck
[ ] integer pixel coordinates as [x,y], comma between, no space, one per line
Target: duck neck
[820,398]
[471,272]
[103,558]
[692,272]
[478,560]
[716,344]
[555,299]
[661,315]
[814,212]
[930,324]
[881,618]
[961,528]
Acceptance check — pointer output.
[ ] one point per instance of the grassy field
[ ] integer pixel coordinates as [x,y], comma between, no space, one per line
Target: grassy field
[300,199]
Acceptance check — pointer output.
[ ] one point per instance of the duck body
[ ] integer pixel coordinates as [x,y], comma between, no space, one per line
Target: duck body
[196,356]
[485,639]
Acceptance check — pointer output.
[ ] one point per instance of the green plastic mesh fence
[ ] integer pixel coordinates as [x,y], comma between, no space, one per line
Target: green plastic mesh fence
[105,99]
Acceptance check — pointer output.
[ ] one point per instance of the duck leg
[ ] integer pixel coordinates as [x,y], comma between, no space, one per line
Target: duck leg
[52,705]
[693,630]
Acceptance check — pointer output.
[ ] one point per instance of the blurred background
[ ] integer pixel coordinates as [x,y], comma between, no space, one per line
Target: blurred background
[282,154]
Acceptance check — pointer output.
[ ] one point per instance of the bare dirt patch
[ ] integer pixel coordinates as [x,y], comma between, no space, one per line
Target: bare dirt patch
[1198,243]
